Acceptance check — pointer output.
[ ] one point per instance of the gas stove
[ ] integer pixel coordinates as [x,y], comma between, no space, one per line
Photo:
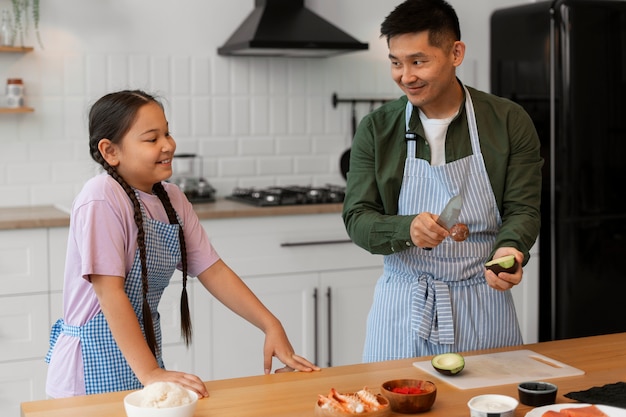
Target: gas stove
[289,195]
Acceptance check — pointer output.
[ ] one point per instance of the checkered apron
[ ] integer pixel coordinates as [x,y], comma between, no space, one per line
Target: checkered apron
[438,301]
[106,369]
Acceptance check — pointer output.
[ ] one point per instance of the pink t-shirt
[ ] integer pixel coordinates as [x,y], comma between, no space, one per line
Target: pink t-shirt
[103,240]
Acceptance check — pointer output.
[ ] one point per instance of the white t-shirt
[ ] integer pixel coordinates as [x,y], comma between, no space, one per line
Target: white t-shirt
[435,131]
[103,240]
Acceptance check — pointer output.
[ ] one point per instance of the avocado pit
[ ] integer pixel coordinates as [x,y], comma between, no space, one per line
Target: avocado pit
[459,232]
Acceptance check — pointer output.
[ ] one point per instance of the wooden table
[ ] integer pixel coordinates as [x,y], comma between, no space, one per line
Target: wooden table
[603,358]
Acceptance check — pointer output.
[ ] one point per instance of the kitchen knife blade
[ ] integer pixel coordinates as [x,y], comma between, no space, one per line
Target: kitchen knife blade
[450,213]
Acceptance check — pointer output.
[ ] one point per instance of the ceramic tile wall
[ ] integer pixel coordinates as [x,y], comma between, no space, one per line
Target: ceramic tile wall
[254,121]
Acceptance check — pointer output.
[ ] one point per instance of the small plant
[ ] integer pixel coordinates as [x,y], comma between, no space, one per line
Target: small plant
[25,13]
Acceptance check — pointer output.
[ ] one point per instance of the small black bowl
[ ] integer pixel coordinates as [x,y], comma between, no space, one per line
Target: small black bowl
[537,393]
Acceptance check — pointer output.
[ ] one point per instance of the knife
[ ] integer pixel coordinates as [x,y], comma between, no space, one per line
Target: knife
[450,213]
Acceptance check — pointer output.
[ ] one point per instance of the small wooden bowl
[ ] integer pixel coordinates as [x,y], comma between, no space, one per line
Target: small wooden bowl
[410,403]
[383,412]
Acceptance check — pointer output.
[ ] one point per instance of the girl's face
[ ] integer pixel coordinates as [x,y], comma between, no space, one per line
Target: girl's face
[426,73]
[144,155]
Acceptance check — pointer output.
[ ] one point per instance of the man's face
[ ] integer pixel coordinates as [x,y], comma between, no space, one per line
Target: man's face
[424,72]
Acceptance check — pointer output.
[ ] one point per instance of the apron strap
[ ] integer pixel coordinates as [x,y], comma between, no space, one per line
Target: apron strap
[471,123]
[431,317]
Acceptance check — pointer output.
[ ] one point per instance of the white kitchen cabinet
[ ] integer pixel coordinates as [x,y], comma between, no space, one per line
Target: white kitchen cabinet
[23,261]
[347,298]
[290,263]
[323,314]
[23,327]
[227,346]
[21,381]
[24,317]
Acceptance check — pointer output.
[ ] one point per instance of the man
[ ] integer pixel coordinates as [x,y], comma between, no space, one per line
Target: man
[408,158]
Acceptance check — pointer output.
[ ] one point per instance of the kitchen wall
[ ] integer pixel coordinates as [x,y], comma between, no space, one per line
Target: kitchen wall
[254,121]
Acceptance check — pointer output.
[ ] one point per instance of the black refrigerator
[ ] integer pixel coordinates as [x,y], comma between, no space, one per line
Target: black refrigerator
[564,61]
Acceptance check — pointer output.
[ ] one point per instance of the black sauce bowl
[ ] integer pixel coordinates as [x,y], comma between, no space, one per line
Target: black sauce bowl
[537,393]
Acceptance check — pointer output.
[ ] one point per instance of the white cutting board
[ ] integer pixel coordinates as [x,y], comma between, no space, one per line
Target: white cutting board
[503,368]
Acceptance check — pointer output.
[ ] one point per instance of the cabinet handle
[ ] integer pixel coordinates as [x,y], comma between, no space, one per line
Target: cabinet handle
[330,321]
[314,242]
[315,326]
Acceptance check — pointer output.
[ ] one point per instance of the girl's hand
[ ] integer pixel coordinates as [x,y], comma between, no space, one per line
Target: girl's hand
[277,344]
[189,381]
[505,281]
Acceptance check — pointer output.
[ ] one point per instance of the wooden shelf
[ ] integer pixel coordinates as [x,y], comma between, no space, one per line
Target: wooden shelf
[16,110]
[16,48]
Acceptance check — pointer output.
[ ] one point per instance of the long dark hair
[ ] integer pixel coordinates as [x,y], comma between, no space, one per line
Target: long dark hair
[111,117]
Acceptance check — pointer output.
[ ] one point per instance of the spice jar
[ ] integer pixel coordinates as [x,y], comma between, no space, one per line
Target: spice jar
[15,92]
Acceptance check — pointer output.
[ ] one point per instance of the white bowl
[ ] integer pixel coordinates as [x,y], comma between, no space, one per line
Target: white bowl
[492,405]
[133,409]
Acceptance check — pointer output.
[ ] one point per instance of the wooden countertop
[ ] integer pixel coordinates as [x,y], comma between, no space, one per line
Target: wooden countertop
[29,217]
[51,216]
[603,358]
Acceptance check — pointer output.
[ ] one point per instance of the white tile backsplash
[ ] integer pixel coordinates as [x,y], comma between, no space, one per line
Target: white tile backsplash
[74,75]
[259,115]
[96,75]
[255,121]
[117,72]
[139,71]
[200,76]
[240,116]
[180,116]
[257,146]
[181,76]
[201,117]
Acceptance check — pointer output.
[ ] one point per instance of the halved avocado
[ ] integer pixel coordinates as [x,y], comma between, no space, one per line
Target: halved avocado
[504,264]
[448,363]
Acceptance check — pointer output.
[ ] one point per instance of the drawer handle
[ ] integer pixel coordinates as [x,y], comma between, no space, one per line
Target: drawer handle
[330,327]
[314,242]
[315,326]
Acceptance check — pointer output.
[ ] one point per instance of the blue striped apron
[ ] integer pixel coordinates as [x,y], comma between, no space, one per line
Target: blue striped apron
[105,367]
[438,301]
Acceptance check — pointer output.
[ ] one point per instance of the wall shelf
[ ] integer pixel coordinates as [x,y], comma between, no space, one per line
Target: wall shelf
[22,49]
[16,110]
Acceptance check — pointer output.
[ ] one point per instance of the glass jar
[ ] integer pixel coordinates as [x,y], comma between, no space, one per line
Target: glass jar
[6,30]
[15,92]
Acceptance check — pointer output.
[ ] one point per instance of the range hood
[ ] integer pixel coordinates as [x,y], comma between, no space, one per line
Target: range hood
[286,28]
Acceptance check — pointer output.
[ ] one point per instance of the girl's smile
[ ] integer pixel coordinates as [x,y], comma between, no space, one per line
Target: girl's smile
[144,156]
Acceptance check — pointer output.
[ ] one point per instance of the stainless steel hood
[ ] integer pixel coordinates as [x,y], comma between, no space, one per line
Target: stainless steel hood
[287,28]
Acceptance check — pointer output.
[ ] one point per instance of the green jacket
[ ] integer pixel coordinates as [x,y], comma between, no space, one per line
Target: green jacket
[510,148]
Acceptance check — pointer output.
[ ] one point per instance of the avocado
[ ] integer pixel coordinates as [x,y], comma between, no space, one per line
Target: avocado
[448,363]
[506,264]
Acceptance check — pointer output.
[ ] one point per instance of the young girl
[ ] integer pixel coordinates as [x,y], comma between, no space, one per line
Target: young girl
[129,231]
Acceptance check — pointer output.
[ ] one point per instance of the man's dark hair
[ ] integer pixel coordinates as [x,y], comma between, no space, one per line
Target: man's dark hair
[413,16]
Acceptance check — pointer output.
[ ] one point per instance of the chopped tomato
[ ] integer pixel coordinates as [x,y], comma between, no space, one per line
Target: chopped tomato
[407,390]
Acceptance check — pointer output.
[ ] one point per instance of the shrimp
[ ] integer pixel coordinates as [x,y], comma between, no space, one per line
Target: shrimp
[350,403]
[330,404]
[369,399]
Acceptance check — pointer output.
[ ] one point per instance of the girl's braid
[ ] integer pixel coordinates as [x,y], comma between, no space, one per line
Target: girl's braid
[185,319]
[148,326]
